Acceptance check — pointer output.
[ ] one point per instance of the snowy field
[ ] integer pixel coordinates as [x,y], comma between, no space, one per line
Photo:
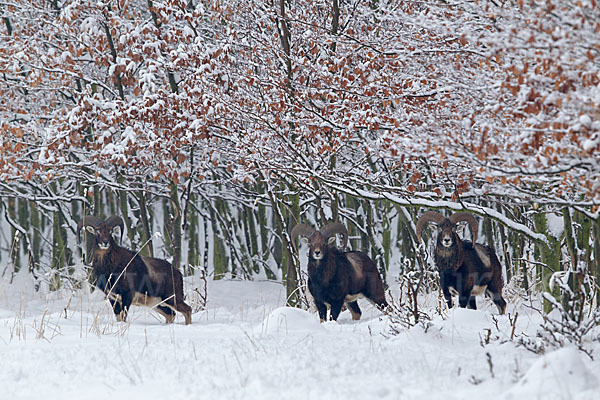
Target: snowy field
[245,345]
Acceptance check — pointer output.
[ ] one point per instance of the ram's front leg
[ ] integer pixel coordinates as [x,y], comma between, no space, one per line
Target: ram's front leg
[115,302]
[472,304]
[446,282]
[447,297]
[322,309]
[463,300]
[336,309]
[121,303]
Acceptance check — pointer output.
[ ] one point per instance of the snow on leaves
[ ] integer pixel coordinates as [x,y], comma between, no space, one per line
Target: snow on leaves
[434,99]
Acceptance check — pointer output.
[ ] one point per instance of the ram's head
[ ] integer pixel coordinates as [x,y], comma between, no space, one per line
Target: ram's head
[102,230]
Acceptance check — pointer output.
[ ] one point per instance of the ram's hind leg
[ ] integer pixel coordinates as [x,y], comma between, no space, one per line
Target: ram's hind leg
[354,310]
[498,300]
[375,292]
[186,310]
[494,290]
[167,313]
[179,305]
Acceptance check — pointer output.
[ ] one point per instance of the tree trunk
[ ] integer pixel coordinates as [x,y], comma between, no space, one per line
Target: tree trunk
[148,248]
[220,262]
[175,225]
[193,256]
[58,252]
[550,255]
[596,265]
[36,226]
[124,206]
[293,267]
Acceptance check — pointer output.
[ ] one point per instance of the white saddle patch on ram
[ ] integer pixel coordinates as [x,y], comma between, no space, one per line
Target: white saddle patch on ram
[355,261]
[156,276]
[484,255]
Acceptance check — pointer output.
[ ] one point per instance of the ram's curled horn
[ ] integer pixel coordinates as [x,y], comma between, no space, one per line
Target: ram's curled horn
[333,228]
[300,229]
[337,276]
[113,221]
[88,220]
[468,218]
[429,216]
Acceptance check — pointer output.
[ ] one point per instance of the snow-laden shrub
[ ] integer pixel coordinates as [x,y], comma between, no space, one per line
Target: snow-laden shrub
[573,320]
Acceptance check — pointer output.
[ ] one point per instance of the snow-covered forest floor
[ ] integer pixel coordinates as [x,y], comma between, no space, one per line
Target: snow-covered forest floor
[246,345]
[210,129]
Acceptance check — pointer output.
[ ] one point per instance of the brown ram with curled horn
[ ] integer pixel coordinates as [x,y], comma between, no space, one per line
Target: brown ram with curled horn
[127,278]
[466,268]
[336,277]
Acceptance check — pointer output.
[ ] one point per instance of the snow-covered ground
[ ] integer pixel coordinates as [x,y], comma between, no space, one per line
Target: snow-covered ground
[245,345]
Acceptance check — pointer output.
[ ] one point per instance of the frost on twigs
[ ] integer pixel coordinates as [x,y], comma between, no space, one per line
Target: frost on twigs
[402,318]
[405,312]
[198,297]
[572,321]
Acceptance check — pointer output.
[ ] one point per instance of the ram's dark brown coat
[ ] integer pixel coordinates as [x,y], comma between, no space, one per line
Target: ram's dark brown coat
[336,277]
[127,278]
[465,269]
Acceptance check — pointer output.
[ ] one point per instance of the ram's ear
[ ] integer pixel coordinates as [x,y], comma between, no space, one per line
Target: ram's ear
[91,229]
[331,240]
[115,229]
[304,240]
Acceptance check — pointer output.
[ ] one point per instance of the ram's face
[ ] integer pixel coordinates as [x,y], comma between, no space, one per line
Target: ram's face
[447,233]
[103,235]
[318,244]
